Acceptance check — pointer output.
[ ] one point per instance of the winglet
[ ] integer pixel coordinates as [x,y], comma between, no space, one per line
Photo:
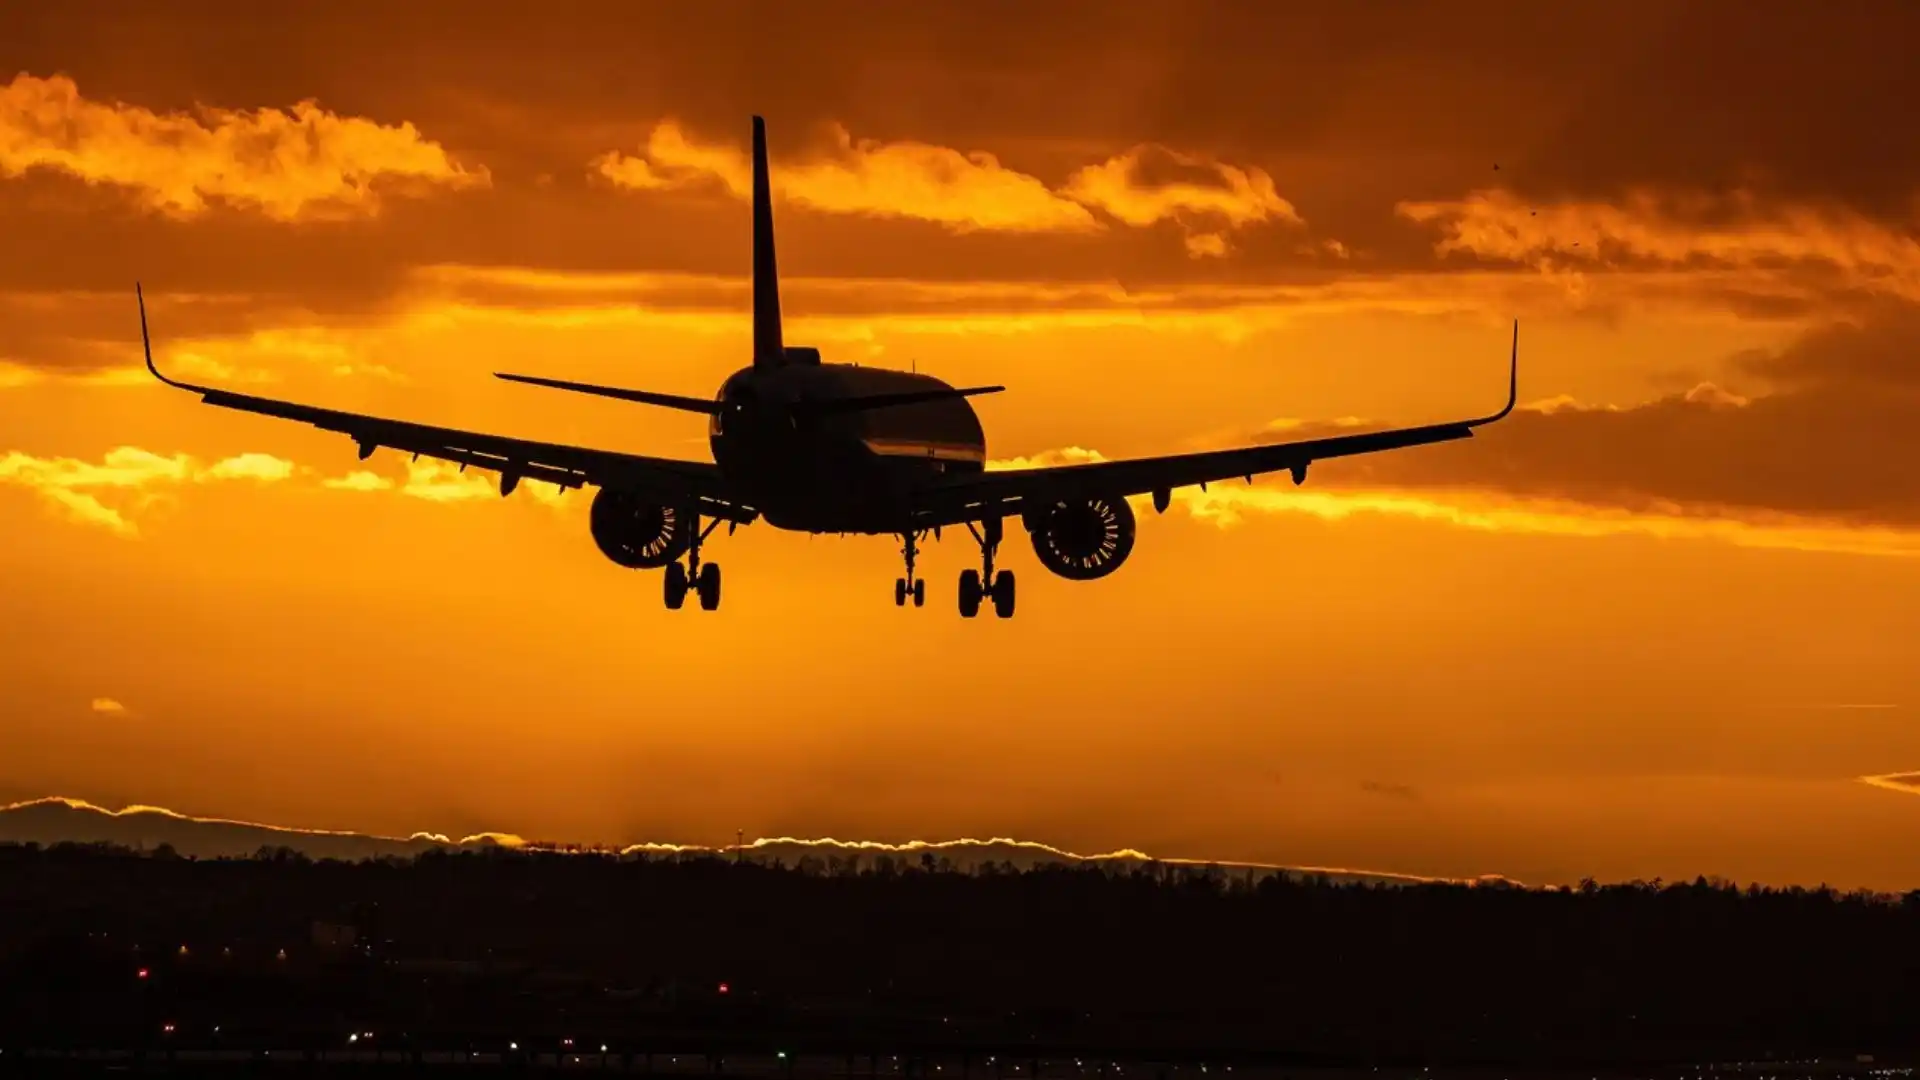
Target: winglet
[1513,382]
[146,344]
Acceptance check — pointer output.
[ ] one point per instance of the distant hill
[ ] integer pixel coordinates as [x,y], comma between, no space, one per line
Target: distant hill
[63,820]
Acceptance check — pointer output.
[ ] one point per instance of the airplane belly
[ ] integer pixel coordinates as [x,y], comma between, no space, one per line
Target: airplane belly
[820,485]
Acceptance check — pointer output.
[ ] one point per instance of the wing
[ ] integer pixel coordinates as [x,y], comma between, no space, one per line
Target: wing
[679,482]
[1008,493]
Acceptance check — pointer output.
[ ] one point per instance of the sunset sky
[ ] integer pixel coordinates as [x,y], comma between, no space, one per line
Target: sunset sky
[1662,621]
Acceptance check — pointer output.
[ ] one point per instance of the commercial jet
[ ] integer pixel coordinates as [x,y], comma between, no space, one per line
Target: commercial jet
[816,447]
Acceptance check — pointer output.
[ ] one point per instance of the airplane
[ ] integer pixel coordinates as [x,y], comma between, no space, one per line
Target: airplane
[817,447]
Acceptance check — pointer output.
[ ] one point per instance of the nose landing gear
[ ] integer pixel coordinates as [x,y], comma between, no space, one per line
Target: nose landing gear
[910,585]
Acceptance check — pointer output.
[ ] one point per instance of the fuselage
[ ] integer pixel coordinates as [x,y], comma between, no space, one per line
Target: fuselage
[839,472]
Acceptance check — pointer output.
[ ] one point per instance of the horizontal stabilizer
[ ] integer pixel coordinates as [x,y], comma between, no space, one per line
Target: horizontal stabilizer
[885,401]
[645,397]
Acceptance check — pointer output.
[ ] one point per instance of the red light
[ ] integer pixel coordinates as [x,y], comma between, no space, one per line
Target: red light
[142,973]
[723,988]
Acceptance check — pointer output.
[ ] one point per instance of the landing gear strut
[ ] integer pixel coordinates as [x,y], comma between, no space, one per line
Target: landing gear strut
[976,585]
[704,580]
[910,585]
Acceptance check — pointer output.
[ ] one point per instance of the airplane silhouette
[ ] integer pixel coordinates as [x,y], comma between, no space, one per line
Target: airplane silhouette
[834,448]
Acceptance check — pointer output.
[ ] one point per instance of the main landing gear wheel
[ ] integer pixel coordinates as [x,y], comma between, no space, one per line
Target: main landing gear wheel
[972,587]
[1003,594]
[702,578]
[969,593]
[909,586]
[709,587]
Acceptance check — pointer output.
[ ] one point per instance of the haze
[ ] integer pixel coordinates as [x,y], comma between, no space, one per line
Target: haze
[1660,622]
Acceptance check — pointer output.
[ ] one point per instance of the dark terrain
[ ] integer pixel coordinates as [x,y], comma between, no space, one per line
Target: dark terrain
[845,965]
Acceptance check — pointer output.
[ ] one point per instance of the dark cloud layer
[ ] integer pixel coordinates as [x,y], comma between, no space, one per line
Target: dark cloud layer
[1350,108]
[1836,441]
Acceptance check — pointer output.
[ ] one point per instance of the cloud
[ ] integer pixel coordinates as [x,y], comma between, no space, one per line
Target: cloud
[72,484]
[15,376]
[848,309]
[1206,245]
[75,486]
[965,192]
[1231,503]
[442,482]
[288,165]
[1907,783]
[1071,455]
[973,191]
[358,480]
[1150,184]
[1666,229]
[108,706]
[1830,441]
[1877,352]
[250,466]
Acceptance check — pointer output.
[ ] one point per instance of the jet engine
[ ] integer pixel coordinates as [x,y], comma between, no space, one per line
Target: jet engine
[636,533]
[1082,539]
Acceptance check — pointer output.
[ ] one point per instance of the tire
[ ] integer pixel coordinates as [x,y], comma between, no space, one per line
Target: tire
[969,593]
[1003,594]
[899,592]
[674,586]
[710,587]
[920,593]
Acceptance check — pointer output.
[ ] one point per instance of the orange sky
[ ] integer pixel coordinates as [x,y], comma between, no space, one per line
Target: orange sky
[1628,632]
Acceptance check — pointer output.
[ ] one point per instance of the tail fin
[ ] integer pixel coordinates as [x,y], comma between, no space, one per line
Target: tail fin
[768,350]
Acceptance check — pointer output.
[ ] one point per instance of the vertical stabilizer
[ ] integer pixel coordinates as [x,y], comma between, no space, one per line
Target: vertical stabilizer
[768,350]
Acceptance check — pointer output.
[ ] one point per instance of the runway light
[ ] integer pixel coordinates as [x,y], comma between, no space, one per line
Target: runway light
[142,973]
[724,988]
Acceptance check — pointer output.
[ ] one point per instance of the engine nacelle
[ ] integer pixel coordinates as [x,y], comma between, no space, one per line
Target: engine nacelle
[1082,539]
[636,533]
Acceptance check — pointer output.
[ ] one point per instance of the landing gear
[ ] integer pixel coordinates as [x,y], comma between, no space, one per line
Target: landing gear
[702,578]
[978,585]
[709,587]
[910,585]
